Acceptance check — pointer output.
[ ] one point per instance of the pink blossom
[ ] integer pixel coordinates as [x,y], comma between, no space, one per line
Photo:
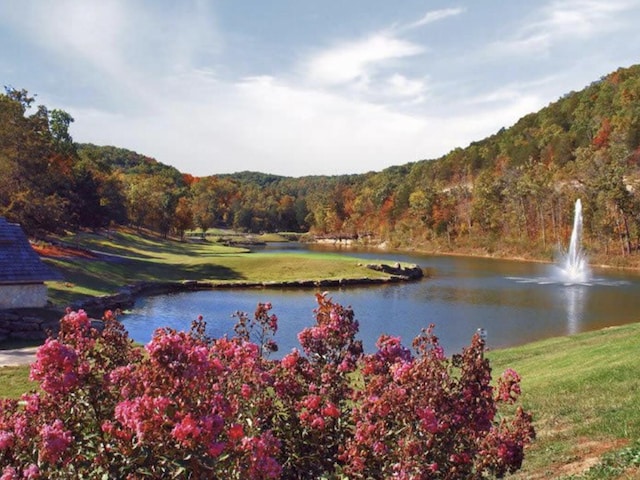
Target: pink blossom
[143,415]
[289,361]
[215,404]
[330,410]
[391,350]
[318,422]
[401,370]
[20,426]
[211,425]
[245,391]
[236,432]
[509,386]
[9,473]
[31,403]
[31,472]
[186,431]
[216,448]
[312,402]
[55,367]
[77,321]
[379,448]
[55,441]
[428,420]
[6,439]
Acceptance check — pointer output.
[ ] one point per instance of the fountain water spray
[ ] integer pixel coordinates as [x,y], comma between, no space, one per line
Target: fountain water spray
[574,268]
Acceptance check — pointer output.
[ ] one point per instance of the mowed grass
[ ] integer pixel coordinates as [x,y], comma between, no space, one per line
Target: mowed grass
[14,381]
[123,258]
[584,393]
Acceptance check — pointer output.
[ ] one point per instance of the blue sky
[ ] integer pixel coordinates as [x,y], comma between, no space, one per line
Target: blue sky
[297,87]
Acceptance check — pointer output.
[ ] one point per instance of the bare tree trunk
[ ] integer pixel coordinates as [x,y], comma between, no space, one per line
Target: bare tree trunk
[620,236]
[627,234]
[542,227]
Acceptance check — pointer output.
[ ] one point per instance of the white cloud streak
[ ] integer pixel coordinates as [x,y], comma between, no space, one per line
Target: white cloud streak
[290,130]
[436,15]
[561,21]
[357,60]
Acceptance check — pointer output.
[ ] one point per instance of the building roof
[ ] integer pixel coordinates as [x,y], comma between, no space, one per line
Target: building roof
[19,263]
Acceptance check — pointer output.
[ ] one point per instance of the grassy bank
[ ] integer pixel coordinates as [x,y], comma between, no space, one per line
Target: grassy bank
[102,264]
[584,391]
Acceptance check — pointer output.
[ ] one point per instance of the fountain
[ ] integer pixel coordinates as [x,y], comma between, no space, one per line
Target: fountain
[574,267]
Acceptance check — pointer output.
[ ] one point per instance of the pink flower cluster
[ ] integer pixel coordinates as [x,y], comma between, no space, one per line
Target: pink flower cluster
[190,406]
[55,441]
[56,367]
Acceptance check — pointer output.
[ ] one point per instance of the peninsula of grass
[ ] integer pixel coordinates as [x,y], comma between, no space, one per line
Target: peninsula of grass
[102,264]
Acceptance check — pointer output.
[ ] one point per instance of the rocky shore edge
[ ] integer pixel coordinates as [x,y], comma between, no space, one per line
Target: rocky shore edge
[127,296]
[30,325]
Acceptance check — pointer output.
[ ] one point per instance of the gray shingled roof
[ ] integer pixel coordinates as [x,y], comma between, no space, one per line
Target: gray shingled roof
[19,263]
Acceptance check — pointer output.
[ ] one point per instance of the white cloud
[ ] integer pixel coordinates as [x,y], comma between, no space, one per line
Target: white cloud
[87,31]
[579,18]
[399,86]
[436,15]
[357,60]
[288,129]
[562,21]
[119,48]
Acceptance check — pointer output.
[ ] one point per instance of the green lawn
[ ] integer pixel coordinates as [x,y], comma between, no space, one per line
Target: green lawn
[584,392]
[14,381]
[124,258]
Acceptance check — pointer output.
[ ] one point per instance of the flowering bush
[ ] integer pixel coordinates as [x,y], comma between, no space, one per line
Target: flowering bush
[189,406]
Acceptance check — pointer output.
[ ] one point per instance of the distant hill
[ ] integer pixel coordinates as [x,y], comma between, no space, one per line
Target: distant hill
[124,160]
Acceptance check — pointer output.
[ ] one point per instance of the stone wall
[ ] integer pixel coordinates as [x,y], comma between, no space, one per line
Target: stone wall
[28,324]
[32,295]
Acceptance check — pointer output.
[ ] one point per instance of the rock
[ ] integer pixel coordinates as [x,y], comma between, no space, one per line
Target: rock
[411,272]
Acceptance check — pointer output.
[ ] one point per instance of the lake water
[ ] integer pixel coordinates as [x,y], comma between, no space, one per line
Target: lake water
[515,302]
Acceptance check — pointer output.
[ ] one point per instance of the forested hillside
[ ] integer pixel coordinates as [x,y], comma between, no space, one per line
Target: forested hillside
[511,193]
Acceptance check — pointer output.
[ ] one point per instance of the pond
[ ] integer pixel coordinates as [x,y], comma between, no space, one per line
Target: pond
[515,302]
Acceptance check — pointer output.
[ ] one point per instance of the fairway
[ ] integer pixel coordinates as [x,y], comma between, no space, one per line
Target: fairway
[109,262]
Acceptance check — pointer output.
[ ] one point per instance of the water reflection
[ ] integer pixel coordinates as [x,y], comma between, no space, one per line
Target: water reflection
[574,297]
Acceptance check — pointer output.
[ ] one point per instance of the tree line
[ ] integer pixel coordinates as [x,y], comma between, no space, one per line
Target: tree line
[512,191]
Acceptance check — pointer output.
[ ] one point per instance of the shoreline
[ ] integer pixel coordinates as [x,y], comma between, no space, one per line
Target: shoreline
[126,297]
[462,253]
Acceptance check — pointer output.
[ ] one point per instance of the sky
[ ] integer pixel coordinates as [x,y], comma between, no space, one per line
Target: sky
[301,87]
